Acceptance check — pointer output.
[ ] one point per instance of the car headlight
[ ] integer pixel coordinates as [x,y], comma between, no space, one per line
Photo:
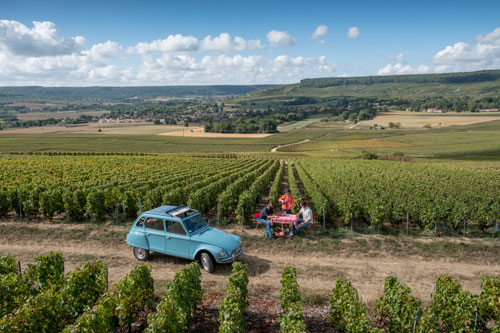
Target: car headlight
[222,253]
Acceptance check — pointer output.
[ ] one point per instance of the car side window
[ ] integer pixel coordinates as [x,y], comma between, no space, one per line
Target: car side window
[154,223]
[175,227]
[140,223]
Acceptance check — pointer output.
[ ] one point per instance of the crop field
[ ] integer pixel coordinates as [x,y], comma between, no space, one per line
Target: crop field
[420,119]
[109,295]
[429,223]
[199,132]
[57,115]
[406,90]
[100,128]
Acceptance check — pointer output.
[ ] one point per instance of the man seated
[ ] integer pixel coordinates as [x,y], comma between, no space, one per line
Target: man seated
[305,221]
[266,213]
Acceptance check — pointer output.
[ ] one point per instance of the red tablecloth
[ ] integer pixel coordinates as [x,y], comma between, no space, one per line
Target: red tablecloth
[285,219]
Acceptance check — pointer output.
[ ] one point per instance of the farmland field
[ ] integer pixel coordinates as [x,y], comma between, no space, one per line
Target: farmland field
[105,128]
[420,119]
[199,132]
[413,203]
[57,115]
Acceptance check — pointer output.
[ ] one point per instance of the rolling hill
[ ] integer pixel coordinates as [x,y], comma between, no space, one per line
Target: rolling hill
[473,84]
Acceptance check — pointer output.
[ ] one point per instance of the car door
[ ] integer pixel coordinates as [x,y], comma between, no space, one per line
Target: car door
[155,232]
[176,239]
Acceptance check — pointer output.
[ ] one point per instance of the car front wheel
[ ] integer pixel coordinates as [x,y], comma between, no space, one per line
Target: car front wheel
[141,254]
[206,262]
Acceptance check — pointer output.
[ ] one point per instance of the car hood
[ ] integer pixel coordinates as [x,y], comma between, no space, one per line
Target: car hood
[218,238]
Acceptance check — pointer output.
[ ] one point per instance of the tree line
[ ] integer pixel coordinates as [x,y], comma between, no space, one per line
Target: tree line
[465,77]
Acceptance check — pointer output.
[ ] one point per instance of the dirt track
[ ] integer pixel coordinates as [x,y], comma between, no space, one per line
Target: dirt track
[316,271]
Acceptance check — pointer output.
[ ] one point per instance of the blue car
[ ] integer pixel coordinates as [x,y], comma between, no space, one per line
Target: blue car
[180,231]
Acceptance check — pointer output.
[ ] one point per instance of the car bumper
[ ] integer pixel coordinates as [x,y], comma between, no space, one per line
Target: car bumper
[232,258]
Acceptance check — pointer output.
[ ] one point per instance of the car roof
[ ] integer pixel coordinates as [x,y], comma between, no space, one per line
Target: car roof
[168,211]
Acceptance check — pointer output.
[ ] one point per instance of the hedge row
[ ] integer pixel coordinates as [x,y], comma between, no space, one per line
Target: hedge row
[176,310]
[292,316]
[60,300]
[232,308]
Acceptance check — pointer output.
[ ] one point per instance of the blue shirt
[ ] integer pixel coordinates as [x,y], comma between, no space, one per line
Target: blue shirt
[265,212]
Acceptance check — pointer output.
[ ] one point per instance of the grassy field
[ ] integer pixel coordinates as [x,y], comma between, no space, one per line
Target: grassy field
[57,115]
[105,128]
[409,90]
[420,119]
[299,124]
[480,141]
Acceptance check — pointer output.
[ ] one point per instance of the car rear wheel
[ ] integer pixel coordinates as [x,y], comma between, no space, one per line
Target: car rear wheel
[206,262]
[141,254]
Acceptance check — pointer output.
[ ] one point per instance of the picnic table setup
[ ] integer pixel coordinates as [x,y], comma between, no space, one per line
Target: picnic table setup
[285,219]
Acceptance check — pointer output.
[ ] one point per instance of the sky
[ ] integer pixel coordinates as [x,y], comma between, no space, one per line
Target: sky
[130,43]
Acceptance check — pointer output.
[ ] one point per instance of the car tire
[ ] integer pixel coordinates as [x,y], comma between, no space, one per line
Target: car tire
[141,254]
[206,262]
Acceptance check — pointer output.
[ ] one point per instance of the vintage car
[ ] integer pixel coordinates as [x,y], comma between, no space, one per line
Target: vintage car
[180,231]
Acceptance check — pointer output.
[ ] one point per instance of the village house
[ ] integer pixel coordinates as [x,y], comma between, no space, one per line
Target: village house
[434,110]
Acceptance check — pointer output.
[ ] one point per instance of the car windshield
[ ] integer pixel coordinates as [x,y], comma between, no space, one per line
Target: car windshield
[195,222]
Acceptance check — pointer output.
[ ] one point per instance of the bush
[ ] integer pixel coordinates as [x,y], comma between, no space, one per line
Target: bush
[46,271]
[83,287]
[292,316]
[74,204]
[176,310]
[167,318]
[135,291]
[41,313]
[233,306]
[489,299]
[366,155]
[48,204]
[5,203]
[452,309]
[348,313]
[274,192]
[100,318]
[398,307]
[8,265]
[95,205]
[129,204]
[14,290]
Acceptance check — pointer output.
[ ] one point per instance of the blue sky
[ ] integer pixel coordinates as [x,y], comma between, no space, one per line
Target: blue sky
[193,42]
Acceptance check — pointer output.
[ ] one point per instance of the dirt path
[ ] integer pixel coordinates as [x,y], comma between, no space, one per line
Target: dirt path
[275,149]
[316,271]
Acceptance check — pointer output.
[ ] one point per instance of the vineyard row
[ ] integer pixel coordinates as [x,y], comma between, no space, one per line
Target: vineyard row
[46,299]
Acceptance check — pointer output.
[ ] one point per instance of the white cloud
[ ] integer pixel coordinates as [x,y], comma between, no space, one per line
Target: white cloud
[492,37]
[41,40]
[104,51]
[173,43]
[223,43]
[321,30]
[48,60]
[280,38]
[484,54]
[353,32]
[323,66]
[401,58]
[400,68]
